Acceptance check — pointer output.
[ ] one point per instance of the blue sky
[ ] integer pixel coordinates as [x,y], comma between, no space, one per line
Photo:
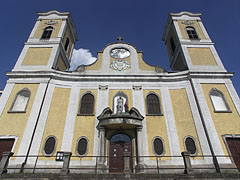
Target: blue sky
[141,23]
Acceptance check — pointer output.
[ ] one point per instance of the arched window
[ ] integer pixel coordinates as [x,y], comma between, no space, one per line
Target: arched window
[49,146]
[153,105]
[172,44]
[82,146]
[66,44]
[158,147]
[190,145]
[218,101]
[47,32]
[192,34]
[87,105]
[21,101]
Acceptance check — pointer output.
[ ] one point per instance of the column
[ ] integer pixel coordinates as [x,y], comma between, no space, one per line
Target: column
[101,159]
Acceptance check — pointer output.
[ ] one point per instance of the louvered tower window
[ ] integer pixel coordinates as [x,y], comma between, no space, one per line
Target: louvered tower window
[87,104]
[153,105]
[47,32]
[192,34]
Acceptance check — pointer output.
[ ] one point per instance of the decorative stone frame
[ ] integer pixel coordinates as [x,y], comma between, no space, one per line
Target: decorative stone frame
[224,100]
[190,26]
[54,149]
[185,147]
[225,136]
[153,149]
[80,103]
[110,51]
[87,148]
[147,114]
[14,101]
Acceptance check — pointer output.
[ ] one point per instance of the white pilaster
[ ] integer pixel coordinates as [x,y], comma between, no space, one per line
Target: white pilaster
[70,120]
[5,95]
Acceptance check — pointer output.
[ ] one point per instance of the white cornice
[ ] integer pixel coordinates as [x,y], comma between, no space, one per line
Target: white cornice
[186,13]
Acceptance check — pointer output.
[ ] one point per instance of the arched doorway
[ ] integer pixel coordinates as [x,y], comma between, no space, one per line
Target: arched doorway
[119,143]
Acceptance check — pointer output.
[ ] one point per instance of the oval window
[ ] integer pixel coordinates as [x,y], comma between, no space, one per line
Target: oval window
[190,145]
[82,146]
[49,145]
[158,146]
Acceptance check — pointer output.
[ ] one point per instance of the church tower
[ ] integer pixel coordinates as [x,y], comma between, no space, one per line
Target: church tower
[50,43]
[188,44]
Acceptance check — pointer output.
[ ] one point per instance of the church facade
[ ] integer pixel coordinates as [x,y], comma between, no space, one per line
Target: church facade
[120,104]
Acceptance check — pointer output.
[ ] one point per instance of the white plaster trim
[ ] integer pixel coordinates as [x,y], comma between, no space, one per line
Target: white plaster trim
[198,124]
[234,96]
[41,124]
[209,121]
[173,139]
[101,104]
[179,34]
[62,29]
[28,132]
[5,96]
[70,120]
[138,102]
[34,29]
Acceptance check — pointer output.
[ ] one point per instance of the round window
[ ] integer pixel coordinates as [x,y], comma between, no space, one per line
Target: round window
[49,145]
[190,145]
[82,146]
[158,146]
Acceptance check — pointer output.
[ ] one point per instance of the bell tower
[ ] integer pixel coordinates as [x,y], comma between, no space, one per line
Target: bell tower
[188,44]
[50,43]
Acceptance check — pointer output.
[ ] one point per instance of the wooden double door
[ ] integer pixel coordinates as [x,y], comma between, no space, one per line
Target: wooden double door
[234,147]
[6,146]
[116,154]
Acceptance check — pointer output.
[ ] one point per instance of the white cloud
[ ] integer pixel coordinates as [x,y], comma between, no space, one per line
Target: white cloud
[81,56]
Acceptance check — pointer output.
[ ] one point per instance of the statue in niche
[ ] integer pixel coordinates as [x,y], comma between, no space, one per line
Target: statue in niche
[119,105]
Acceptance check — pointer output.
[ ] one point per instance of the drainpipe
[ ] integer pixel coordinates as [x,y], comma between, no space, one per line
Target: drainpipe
[215,161]
[35,127]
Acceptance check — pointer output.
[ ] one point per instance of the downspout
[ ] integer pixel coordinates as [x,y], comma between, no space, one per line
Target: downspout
[35,127]
[215,161]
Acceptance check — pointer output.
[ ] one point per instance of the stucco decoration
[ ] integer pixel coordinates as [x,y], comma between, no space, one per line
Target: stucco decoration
[159,69]
[80,68]
[119,65]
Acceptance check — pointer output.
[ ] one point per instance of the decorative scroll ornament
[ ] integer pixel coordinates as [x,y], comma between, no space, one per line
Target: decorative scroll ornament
[119,64]
[187,22]
[51,22]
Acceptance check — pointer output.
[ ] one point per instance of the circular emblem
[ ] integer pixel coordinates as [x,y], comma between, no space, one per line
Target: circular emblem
[119,53]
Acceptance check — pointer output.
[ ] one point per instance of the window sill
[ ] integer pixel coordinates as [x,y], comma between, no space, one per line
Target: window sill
[154,114]
[16,111]
[85,114]
[228,111]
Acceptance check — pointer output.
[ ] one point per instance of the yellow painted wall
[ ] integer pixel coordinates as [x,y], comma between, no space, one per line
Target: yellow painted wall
[56,117]
[225,123]
[156,127]
[60,64]
[128,59]
[97,65]
[201,56]
[183,117]
[15,123]
[37,56]
[143,65]
[42,26]
[113,92]
[195,25]
[85,126]
[68,34]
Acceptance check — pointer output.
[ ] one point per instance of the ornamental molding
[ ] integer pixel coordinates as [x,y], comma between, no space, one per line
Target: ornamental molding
[119,65]
[187,22]
[51,22]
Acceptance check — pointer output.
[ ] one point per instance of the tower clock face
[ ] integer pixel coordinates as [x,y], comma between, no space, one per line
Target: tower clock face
[119,53]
